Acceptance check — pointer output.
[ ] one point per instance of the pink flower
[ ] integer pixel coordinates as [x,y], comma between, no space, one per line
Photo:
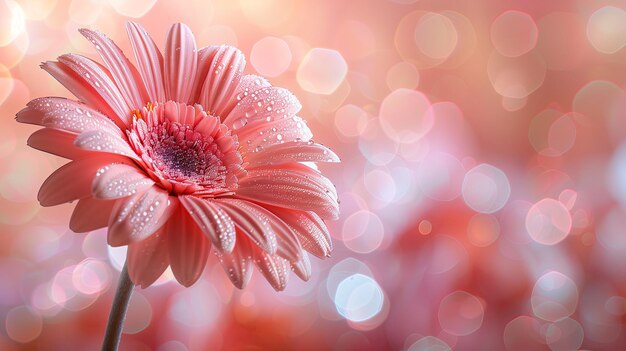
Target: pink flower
[183,155]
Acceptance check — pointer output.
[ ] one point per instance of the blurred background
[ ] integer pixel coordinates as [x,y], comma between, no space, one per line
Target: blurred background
[483,183]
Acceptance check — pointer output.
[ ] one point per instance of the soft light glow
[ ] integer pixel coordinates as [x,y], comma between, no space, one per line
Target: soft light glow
[606,29]
[405,115]
[322,71]
[23,324]
[486,189]
[12,21]
[460,313]
[135,8]
[359,298]
[548,222]
[363,232]
[435,36]
[554,296]
[429,343]
[270,56]
[350,120]
[439,176]
[483,229]
[514,33]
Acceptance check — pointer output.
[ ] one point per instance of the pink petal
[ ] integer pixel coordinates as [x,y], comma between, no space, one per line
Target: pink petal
[222,79]
[124,73]
[237,264]
[64,114]
[302,268]
[275,269]
[262,135]
[90,214]
[249,84]
[115,181]
[55,142]
[149,60]
[102,141]
[205,60]
[188,247]
[294,151]
[288,246]
[250,221]
[264,105]
[290,189]
[91,84]
[312,174]
[212,220]
[187,114]
[71,182]
[180,63]
[135,218]
[147,259]
[310,229]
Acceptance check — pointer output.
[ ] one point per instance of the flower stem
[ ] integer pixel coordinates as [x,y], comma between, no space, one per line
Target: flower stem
[118,312]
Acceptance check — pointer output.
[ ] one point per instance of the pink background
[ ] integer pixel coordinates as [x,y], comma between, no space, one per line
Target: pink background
[483,183]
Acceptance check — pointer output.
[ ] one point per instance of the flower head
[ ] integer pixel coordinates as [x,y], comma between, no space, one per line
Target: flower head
[182,155]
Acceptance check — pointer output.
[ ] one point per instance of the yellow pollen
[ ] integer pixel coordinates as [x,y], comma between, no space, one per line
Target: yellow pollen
[137,114]
[150,106]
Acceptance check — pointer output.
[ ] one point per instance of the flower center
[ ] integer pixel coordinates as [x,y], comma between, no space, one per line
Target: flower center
[185,150]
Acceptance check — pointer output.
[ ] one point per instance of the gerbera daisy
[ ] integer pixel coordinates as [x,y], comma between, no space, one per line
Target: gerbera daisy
[182,155]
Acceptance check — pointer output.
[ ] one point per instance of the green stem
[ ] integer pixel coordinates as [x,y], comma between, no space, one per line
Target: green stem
[118,312]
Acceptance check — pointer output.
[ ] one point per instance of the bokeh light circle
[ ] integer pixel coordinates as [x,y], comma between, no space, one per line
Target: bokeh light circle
[435,36]
[381,185]
[460,313]
[91,276]
[363,231]
[606,29]
[554,296]
[270,56]
[522,334]
[402,75]
[514,33]
[429,343]
[359,298]
[552,133]
[23,324]
[483,230]
[564,335]
[322,71]
[12,22]
[516,77]
[350,120]
[485,189]
[548,222]
[139,314]
[405,115]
